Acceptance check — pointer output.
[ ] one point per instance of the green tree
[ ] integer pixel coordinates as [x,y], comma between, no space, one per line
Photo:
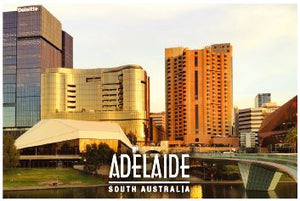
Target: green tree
[10,153]
[95,156]
[291,138]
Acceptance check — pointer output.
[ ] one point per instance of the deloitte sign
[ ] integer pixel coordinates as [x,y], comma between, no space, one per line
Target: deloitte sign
[28,9]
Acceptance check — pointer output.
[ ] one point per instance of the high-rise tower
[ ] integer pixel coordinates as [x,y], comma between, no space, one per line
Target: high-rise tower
[198,93]
[32,41]
[262,98]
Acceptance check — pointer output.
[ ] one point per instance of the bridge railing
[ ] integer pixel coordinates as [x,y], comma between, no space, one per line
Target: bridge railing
[287,159]
[290,160]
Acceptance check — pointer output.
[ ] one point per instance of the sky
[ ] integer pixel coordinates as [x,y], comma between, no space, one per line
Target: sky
[263,36]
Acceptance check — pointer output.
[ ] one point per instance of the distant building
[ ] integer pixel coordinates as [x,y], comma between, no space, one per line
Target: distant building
[262,98]
[248,139]
[249,122]
[33,40]
[198,93]
[158,118]
[225,141]
[276,126]
[60,142]
[270,107]
[119,95]
[236,121]
[157,127]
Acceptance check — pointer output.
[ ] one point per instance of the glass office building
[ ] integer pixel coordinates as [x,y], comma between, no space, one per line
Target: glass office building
[33,40]
[262,98]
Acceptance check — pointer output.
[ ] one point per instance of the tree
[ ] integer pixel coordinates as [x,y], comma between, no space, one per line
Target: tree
[105,154]
[95,156]
[10,153]
[132,138]
[291,138]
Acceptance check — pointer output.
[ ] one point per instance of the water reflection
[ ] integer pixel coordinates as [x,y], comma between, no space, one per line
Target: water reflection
[196,191]
[261,194]
[283,190]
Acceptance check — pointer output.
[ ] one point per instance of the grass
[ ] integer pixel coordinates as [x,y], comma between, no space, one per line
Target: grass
[29,177]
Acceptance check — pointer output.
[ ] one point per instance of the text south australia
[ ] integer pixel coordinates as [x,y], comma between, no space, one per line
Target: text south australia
[147,174]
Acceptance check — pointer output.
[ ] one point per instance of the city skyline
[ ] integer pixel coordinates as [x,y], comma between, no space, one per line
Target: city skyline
[264,60]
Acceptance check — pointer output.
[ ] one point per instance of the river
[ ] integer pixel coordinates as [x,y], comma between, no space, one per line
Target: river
[283,190]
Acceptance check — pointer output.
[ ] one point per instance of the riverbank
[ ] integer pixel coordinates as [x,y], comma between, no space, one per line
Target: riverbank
[44,178]
[22,179]
[51,187]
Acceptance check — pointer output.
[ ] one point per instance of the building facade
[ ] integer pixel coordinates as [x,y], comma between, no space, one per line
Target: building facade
[63,141]
[157,127]
[250,120]
[236,121]
[119,95]
[248,139]
[198,93]
[33,40]
[276,127]
[261,99]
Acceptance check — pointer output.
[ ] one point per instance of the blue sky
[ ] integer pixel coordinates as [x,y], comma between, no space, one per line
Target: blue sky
[264,40]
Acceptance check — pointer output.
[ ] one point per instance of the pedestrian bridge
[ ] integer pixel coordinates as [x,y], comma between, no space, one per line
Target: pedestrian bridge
[163,148]
[152,149]
[259,171]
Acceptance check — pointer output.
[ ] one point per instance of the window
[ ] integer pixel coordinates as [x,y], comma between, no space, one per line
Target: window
[196,84]
[196,119]
[92,79]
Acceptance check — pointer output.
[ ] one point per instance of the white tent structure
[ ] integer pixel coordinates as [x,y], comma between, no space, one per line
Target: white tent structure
[50,131]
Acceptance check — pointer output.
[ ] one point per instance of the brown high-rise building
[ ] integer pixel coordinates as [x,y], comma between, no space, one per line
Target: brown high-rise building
[198,93]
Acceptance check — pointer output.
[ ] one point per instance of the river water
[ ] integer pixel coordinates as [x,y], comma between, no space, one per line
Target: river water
[283,190]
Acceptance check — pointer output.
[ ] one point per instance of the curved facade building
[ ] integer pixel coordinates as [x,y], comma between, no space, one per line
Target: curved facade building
[275,126]
[119,95]
[63,141]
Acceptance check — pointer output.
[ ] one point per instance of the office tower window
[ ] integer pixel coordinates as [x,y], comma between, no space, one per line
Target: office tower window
[196,61]
[9,68]
[196,119]
[196,84]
